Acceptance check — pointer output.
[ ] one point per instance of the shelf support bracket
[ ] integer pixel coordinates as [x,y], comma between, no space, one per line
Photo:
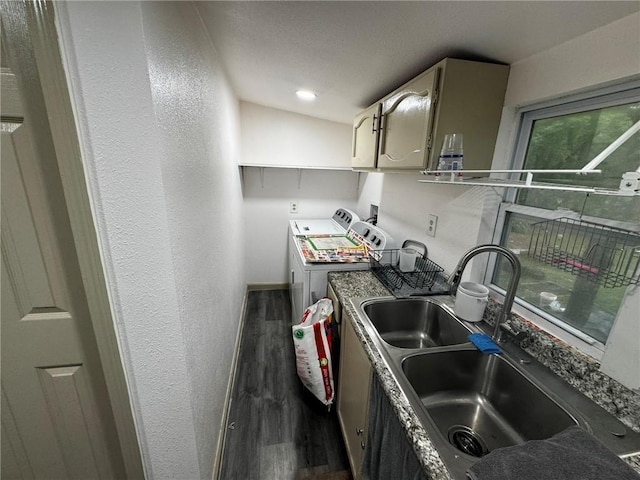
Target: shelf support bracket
[613,147]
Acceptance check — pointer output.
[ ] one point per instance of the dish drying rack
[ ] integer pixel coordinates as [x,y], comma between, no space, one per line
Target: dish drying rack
[426,279]
[604,255]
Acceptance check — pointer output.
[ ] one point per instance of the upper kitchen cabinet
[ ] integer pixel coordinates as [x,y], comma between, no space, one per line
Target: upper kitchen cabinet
[405,123]
[453,96]
[364,150]
[277,138]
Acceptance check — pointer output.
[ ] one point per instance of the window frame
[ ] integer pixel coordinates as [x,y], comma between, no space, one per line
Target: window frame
[525,119]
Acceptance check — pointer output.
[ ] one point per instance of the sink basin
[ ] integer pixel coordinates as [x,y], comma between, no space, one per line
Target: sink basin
[469,403]
[481,402]
[415,323]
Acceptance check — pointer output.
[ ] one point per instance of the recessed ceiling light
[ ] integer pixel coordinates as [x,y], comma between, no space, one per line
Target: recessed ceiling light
[307,95]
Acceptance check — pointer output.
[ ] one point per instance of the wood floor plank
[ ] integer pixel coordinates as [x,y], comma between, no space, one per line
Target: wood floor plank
[279,427]
[277,462]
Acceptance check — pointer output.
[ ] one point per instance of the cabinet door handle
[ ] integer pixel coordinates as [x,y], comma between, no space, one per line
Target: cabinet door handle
[292,277]
[373,125]
[358,431]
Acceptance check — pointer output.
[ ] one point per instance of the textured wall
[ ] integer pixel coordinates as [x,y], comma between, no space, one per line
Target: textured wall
[606,54]
[274,137]
[158,127]
[197,114]
[266,201]
[406,204]
[290,139]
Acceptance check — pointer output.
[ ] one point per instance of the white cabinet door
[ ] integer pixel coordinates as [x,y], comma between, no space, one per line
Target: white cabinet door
[407,123]
[353,396]
[364,150]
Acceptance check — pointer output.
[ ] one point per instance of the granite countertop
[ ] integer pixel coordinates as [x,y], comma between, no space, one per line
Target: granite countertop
[575,368]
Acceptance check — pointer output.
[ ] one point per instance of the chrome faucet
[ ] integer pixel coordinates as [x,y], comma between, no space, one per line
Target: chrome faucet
[510,293]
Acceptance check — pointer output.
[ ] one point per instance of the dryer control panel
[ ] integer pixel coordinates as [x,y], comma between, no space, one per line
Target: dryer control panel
[374,237]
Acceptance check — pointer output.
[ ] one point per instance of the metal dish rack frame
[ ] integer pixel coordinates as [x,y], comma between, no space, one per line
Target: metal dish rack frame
[604,255]
[384,265]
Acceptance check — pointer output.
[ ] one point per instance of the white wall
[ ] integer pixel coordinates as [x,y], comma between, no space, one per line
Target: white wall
[276,137]
[197,114]
[158,125]
[266,203]
[406,204]
[605,56]
[270,137]
[369,192]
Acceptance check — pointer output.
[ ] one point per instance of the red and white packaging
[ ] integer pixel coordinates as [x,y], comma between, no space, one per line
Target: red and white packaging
[312,343]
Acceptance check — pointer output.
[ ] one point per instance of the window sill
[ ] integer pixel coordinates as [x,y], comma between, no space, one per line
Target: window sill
[592,348]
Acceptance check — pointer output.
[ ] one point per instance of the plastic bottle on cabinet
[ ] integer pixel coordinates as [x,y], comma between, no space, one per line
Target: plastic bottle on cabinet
[451,156]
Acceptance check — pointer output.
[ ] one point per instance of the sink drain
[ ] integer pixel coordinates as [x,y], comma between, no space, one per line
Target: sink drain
[467,441]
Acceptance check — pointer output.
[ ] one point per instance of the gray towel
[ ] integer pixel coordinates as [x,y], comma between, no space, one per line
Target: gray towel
[570,455]
[388,455]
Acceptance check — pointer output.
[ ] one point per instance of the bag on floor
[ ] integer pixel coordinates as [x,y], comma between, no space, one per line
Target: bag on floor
[312,343]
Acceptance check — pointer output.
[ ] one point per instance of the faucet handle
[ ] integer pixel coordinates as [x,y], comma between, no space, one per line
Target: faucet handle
[454,279]
[516,333]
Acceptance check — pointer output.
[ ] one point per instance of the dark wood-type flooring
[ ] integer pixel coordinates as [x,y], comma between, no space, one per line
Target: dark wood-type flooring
[277,430]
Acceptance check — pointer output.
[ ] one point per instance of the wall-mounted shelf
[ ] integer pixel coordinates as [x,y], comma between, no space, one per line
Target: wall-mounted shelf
[299,170]
[629,184]
[449,178]
[297,167]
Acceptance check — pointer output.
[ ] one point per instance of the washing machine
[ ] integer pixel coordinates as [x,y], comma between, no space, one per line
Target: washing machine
[338,224]
[313,256]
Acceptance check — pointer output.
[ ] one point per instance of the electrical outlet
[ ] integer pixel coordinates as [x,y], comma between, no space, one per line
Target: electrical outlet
[432,223]
[293,207]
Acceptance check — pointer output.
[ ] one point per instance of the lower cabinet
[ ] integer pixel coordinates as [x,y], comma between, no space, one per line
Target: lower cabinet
[354,381]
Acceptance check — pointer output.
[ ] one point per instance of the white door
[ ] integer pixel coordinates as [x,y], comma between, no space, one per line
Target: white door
[56,416]
[57,419]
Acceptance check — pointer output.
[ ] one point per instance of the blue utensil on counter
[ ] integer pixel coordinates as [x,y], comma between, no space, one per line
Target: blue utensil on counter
[484,343]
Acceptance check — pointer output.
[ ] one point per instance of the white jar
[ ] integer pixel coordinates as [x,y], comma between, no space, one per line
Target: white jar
[407,262]
[471,300]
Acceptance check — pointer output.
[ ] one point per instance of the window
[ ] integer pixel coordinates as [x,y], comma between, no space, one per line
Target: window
[574,293]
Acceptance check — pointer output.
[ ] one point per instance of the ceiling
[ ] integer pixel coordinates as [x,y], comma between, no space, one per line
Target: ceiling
[353,53]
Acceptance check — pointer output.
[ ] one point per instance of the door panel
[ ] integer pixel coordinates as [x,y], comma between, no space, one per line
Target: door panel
[406,124]
[365,138]
[15,462]
[56,416]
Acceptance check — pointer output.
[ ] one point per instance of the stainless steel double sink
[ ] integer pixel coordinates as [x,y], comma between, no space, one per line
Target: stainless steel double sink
[471,403]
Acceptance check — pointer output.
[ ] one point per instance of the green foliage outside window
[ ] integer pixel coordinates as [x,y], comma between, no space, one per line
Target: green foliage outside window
[570,141]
